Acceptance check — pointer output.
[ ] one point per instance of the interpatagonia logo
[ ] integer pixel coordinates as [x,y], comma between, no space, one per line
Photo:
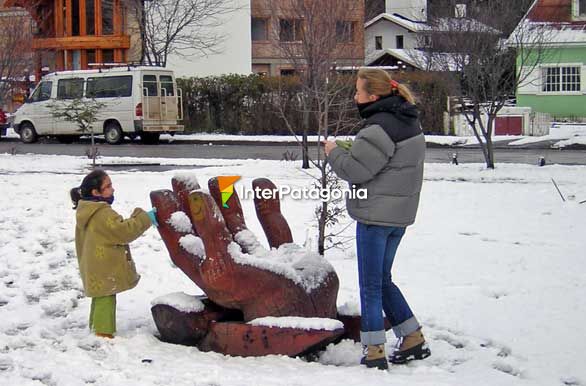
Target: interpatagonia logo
[226,184]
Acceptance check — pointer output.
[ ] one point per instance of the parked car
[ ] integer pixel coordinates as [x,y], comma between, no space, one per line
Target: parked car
[140,101]
[4,124]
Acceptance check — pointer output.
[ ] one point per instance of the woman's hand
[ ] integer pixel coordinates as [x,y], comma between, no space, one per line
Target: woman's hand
[329,146]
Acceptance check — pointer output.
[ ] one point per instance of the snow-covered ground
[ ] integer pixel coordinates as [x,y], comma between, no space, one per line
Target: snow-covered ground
[494,269]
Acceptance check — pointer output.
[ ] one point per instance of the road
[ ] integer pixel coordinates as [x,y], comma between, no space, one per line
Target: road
[272,151]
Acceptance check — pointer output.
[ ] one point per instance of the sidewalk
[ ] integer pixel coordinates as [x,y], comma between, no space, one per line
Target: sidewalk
[433,141]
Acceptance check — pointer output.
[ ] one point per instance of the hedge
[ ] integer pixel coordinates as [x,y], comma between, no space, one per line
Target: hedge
[250,104]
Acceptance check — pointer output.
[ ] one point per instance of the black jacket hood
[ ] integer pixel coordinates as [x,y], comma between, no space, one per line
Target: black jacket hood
[393,104]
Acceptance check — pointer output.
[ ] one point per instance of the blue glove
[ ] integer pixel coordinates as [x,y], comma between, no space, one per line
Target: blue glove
[153,216]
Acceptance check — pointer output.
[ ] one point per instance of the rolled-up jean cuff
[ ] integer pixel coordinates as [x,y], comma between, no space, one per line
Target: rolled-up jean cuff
[373,337]
[407,327]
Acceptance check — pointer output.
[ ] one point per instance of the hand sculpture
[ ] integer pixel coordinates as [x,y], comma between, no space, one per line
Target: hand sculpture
[212,245]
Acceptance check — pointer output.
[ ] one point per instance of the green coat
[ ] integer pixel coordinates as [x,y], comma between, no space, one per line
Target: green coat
[101,242]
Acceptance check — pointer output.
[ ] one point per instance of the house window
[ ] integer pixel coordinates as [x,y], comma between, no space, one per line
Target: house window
[378,42]
[400,41]
[107,17]
[460,10]
[561,79]
[259,29]
[75,17]
[291,30]
[90,20]
[582,8]
[345,31]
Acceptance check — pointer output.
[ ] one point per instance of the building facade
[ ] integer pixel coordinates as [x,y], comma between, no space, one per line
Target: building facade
[76,34]
[277,27]
[556,86]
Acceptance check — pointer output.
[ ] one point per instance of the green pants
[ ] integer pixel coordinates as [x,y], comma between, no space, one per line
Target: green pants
[103,315]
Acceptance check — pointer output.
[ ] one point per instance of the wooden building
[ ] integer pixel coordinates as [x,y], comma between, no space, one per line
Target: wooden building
[73,34]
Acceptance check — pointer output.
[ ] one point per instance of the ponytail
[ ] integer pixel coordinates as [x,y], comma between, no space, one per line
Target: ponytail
[75,195]
[379,82]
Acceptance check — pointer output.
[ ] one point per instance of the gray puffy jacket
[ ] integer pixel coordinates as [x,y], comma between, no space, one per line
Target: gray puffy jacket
[387,159]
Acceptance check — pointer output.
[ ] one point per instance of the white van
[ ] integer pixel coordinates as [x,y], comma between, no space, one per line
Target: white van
[140,101]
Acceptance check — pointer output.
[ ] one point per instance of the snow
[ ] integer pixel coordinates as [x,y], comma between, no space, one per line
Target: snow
[581,140]
[493,268]
[298,323]
[305,268]
[193,245]
[180,301]
[180,222]
[188,179]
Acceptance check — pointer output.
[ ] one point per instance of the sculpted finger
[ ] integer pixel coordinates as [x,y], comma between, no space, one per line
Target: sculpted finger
[175,228]
[268,211]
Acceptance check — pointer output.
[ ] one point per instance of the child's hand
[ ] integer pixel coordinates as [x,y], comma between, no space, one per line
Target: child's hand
[153,216]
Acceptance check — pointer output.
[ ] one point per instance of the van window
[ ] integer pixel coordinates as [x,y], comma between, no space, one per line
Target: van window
[109,87]
[150,83]
[42,92]
[70,88]
[167,84]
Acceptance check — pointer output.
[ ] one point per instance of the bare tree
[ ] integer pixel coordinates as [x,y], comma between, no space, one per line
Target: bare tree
[184,28]
[316,40]
[483,58]
[15,50]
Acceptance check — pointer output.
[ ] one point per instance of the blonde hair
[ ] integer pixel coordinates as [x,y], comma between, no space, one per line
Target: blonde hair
[379,82]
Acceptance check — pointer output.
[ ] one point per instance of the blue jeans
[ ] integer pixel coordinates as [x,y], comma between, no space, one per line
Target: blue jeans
[376,247]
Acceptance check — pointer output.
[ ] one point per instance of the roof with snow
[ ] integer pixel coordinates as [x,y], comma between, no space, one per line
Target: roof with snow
[402,21]
[556,17]
[416,58]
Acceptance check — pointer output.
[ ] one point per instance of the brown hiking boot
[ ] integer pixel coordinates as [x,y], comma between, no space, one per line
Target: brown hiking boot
[411,347]
[375,357]
[107,336]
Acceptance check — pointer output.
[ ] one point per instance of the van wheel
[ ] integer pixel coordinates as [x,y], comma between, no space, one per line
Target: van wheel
[150,138]
[113,133]
[28,134]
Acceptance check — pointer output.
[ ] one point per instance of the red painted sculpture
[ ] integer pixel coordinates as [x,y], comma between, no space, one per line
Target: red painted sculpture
[252,293]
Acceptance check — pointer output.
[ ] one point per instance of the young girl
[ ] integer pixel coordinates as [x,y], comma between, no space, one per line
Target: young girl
[101,241]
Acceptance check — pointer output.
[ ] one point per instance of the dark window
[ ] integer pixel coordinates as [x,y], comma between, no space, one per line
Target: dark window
[109,87]
[259,29]
[107,17]
[149,82]
[90,27]
[400,43]
[582,8]
[91,56]
[288,72]
[107,56]
[42,92]
[345,31]
[75,17]
[378,42]
[291,30]
[167,85]
[70,88]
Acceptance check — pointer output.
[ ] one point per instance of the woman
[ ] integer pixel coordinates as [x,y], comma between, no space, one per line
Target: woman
[101,241]
[386,158]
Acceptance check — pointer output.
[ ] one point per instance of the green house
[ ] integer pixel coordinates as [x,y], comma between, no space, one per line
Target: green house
[555,89]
